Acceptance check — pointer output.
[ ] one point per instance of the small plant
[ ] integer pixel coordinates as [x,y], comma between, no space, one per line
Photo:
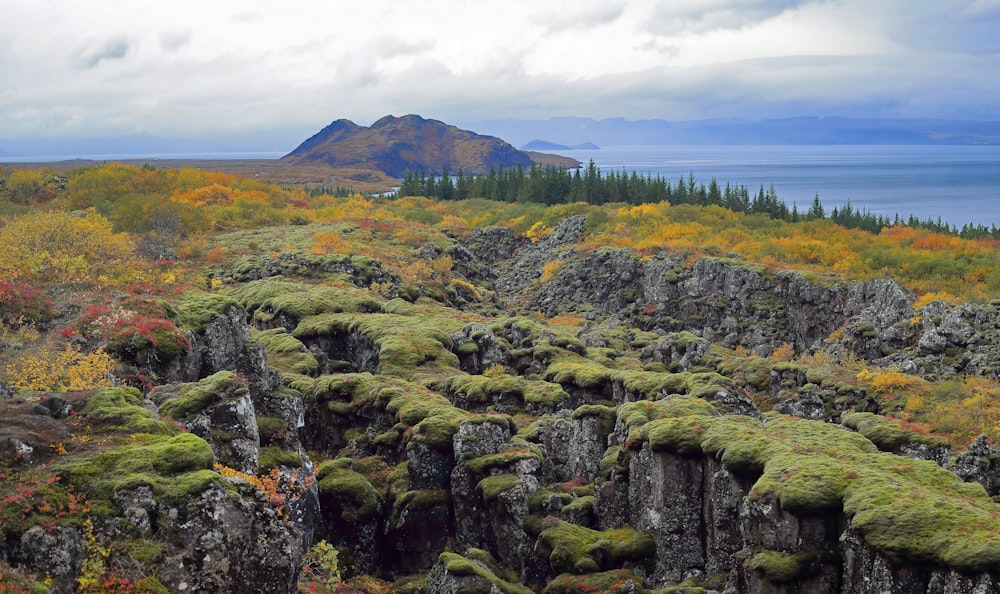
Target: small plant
[785,352]
[495,370]
[320,572]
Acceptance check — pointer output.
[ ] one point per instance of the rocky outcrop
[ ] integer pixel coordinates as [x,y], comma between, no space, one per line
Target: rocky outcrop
[231,545]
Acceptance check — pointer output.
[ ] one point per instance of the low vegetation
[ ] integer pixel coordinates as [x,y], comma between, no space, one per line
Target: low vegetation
[373,314]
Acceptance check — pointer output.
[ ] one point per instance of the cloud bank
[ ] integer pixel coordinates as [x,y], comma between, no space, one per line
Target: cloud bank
[107,67]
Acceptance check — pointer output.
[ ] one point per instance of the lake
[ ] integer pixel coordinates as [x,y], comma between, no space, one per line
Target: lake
[959,184]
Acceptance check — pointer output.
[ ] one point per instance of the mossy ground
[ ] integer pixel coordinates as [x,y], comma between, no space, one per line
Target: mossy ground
[911,510]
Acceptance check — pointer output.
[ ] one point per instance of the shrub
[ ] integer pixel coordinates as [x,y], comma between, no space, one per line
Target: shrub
[20,303]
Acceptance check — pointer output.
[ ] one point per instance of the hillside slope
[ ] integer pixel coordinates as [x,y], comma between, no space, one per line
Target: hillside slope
[410,143]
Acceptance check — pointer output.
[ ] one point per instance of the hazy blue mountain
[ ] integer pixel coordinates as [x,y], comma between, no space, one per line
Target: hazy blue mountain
[545,145]
[570,131]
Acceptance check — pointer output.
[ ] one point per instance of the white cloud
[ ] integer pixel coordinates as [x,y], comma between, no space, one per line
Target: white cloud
[117,67]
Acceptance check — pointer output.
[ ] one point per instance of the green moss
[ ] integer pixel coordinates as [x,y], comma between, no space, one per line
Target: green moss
[144,551]
[407,345]
[889,434]
[500,460]
[312,300]
[779,567]
[610,461]
[270,429]
[615,580]
[492,486]
[607,414]
[578,550]
[910,510]
[359,500]
[185,401]
[636,414]
[285,353]
[120,409]
[676,434]
[255,293]
[197,310]
[583,504]
[273,457]
[173,467]
[421,499]
[456,564]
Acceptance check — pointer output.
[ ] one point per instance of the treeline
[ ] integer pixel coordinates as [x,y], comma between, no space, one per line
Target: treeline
[556,185]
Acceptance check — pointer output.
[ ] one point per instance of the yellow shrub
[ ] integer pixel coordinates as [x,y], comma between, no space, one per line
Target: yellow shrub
[785,352]
[538,231]
[56,246]
[67,370]
[495,370]
[550,269]
[934,296]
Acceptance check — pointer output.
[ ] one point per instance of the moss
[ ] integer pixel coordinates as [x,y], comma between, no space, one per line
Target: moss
[492,486]
[611,461]
[313,300]
[676,434]
[779,567]
[637,414]
[909,510]
[197,310]
[358,499]
[255,293]
[616,580]
[607,414]
[583,504]
[421,499]
[285,353]
[274,456]
[578,550]
[501,459]
[407,345]
[173,467]
[458,565]
[889,434]
[120,409]
[185,401]
[144,551]
[271,429]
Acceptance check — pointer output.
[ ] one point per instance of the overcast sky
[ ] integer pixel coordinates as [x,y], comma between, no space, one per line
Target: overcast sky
[182,68]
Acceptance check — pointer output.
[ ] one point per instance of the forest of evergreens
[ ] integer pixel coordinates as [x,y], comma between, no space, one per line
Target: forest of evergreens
[556,185]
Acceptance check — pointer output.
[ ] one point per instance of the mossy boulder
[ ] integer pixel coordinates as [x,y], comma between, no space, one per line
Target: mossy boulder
[174,468]
[578,550]
[120,409]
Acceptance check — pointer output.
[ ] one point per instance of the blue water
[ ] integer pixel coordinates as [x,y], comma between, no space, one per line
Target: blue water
[959,184]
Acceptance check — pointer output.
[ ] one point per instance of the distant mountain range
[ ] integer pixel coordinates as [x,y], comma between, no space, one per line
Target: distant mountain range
[409,143]
[394,144]
[571,131]
[545,145]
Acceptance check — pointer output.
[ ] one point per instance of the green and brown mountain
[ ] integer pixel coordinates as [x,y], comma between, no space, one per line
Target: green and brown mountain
[411,143]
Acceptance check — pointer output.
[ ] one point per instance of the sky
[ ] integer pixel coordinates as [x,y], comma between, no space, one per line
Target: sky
[74,68]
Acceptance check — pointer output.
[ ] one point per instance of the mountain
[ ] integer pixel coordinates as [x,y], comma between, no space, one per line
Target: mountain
[545,145]
[410,143]
[570,131]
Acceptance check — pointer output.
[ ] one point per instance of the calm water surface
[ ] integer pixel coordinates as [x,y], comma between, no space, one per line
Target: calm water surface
[959,184]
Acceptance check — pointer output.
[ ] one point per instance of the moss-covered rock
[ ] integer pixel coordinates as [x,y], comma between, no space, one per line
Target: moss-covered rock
[616,580]
[357,499]
[182,402]
[889,434]
[174,468]
[120,409]
[578,550]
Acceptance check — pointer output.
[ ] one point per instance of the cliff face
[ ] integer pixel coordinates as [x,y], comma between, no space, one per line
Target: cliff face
[503,453]
[410,143]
